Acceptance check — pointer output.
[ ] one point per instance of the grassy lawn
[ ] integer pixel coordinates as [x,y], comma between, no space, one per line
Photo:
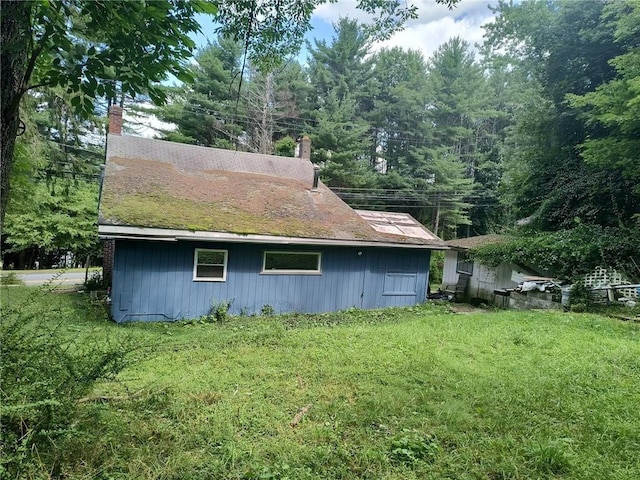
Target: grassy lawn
[53,270]
[394,394]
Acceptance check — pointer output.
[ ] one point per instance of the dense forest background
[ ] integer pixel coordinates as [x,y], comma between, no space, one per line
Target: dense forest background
[536,133]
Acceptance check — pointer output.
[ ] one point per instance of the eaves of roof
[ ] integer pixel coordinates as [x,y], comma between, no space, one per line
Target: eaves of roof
[171,235]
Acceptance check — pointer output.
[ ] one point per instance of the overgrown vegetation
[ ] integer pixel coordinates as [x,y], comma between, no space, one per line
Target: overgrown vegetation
[52,356]
[10,278]
[94,282]
[569,253]
[405,393]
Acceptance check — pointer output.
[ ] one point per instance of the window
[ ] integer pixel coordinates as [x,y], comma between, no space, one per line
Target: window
[465,264]
[291,262]
[210,265]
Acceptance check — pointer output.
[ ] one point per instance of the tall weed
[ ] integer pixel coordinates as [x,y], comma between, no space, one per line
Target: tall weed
[46,368]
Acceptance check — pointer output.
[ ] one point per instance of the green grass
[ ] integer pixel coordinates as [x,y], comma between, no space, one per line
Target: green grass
[396,394]
[54,270]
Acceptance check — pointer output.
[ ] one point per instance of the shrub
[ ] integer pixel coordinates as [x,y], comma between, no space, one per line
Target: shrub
[285,146]
[219,310]
[579,297]
[568,254]
[43,373]
[10,278]
[94,282]
[267,310]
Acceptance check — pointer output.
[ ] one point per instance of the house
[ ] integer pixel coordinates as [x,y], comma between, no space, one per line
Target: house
[186,228]
[483,282]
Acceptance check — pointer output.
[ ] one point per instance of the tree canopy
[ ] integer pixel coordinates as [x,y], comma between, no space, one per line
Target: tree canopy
[539,131]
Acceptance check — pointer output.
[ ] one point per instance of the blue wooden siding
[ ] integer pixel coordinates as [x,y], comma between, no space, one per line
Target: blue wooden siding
[154,280]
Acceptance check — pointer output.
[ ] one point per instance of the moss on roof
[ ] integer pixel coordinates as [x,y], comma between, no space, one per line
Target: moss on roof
[153,194]
[185,194]
[160,210]
[477,241]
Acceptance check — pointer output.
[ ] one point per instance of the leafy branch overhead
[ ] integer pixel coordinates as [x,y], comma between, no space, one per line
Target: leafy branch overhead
[272,30]
[118,48]
[90,48]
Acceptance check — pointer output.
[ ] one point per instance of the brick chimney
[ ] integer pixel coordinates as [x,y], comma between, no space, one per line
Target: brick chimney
[303,148]
[115,120]
[108,253]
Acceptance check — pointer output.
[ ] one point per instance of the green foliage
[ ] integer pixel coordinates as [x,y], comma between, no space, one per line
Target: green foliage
[54,181]
[10,278]
[45,370]
[567,254]
[339,68]
[267,310]
[615,105]
[579,297]
[101,45]
[436,268]
[276,29]
[401,393]
[561,163]
[219,310]
[285,147]
[338,144]
[94,282]
[201,111]
[412,446]
[60,217]
[339,141]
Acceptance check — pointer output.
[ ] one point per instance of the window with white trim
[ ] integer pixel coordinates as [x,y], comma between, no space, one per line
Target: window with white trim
[291,262]
[464,264]
[210,265]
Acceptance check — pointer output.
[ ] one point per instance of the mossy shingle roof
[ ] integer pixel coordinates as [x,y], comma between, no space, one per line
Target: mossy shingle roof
[158,184]
[478,241]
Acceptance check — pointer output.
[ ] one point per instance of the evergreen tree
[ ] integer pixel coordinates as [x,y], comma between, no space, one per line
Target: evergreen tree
[399,112]
[339,68]
[462,110]
[205,112]
[340,144]
[339,133]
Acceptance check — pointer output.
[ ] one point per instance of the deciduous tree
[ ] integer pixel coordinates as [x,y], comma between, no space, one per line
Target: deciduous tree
[87,47]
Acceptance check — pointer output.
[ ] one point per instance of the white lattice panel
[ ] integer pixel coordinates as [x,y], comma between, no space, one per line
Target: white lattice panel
[602,277]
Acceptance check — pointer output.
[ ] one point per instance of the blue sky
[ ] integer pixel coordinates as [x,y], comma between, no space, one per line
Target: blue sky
[434,26]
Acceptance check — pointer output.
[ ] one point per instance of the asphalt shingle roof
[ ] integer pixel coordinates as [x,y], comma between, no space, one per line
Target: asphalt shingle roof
[165,185]
[478,241]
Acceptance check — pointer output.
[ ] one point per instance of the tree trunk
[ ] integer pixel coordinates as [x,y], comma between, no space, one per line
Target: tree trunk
[14,26]
[436,222]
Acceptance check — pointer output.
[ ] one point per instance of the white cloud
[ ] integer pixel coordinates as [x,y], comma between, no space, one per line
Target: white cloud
[143,123]
[434,26]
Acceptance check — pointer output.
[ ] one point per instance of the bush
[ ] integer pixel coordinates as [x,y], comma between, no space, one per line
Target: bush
[10,278]
[579,297]
[94,282]
[219,311]
[44,371]
[267,310]
[568,254]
